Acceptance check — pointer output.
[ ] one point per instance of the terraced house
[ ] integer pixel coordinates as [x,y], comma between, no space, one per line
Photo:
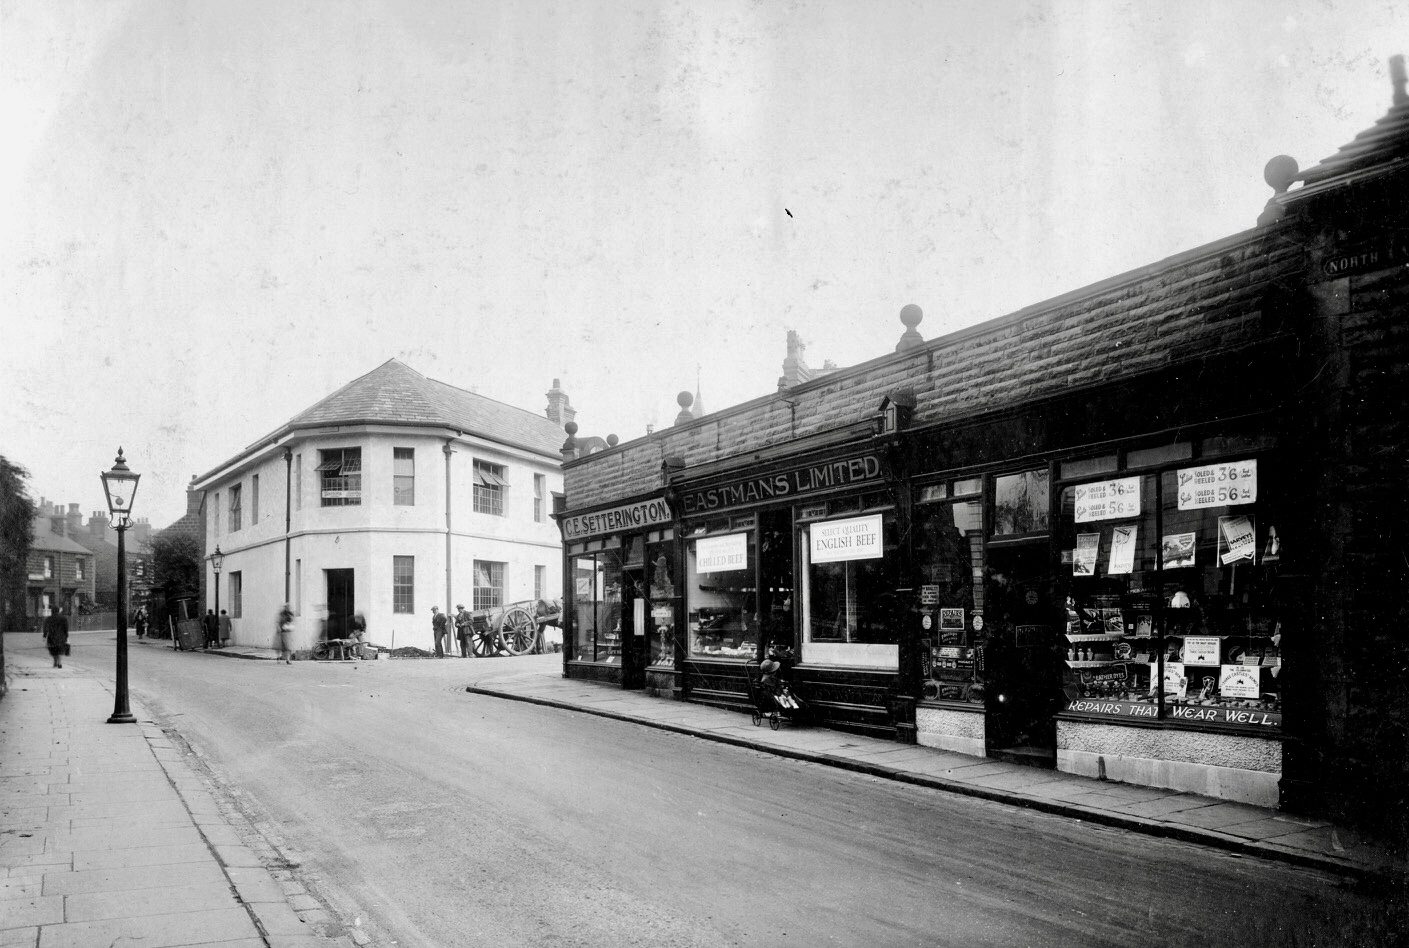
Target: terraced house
[394,494]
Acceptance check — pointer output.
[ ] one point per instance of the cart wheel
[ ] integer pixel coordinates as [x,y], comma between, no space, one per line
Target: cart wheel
[518,630]
[320,652]
[757,719]
[773,721]
[484,643]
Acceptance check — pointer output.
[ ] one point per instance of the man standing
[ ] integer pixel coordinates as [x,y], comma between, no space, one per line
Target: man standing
[438,624]
[224,626]
[211,626]
[56,635]
[462,630]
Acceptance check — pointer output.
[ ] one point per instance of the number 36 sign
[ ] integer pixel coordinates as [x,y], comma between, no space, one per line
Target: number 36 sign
[1217,485]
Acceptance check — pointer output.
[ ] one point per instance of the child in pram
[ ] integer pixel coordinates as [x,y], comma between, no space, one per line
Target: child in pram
[776,671]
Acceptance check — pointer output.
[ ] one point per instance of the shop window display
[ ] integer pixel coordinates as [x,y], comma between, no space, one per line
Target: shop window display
[848,592]
[663,594]
[597,586]
[948,557]
[722,595]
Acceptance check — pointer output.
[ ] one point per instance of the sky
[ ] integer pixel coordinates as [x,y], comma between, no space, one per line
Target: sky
[213,215]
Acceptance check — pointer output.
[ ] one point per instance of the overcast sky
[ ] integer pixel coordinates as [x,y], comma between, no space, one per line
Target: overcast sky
[215,214]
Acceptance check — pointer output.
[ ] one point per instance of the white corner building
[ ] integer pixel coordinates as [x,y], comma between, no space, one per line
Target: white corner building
[394,494]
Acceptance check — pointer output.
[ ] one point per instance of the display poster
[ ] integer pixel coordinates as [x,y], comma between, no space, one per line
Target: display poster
[1239,681]
[1177,550]
[1122,550]
[1217,485]
[951,619]
[722,554]
[638,617]
[1108,500]
[929,595]
[1176,683]
[856,538]
[1088,547]
[1237,539]
[1201,650]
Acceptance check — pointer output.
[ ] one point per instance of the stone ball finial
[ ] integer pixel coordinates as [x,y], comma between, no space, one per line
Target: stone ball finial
[613,441]
[570,428]
[1280,173]
[684,399]
[910,315]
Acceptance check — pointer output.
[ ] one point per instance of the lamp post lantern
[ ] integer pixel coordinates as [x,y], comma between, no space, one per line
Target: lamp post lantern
[120,486]
[217,559]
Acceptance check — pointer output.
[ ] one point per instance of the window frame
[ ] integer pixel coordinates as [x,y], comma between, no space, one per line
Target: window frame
[540,491]
[403,585]
[343,472]
[236,498]
[490,488]
[403,485]
[235,584]
[491,596]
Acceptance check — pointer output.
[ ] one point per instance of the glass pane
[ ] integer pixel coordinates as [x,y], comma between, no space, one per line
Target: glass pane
[1020,503]
[587,585]
[849,606]
[948,552]
[662,594]
[721,596]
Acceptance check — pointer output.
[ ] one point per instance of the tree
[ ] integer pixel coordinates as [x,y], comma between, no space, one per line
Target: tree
[16,536]
[176,562]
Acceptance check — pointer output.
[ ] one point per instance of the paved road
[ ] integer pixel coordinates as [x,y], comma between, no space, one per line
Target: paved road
[449,819]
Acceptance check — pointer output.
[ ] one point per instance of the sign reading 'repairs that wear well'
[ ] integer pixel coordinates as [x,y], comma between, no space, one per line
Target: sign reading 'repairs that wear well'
[647,513]
[857,538]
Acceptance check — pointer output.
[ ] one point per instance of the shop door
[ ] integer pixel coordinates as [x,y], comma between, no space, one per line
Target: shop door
[1022,662]
[340,604]
[635,653]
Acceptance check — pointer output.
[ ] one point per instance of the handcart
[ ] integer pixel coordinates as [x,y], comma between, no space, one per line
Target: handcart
[515,629]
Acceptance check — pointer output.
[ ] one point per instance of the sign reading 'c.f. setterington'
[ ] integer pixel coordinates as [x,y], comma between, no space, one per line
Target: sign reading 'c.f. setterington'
[646,513]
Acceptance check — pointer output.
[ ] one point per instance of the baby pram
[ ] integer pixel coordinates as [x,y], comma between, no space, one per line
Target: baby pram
[773,698]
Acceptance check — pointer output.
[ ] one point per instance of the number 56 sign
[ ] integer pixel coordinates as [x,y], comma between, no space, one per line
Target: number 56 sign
[1218,485]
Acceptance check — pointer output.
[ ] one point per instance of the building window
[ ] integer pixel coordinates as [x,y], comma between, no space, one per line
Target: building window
[298,588]
[540,578]
[235,512]
[540,490]
[78,569]
[340,477]
[489,585]
[949,559]
[236,597]
[403,584]
[720,570]
[403,476]
[489,488]
[254,499]
[216,514]
[298,481]
[849,576]
[48,567]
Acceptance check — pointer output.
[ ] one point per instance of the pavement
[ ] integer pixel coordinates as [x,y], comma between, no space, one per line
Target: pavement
[112,834]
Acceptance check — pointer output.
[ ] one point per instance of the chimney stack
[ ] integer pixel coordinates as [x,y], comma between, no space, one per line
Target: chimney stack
[559,412]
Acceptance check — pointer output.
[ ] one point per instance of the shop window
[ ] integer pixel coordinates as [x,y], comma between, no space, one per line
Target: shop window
[489,488]
[722,597]
[340,477]
[1086,467]
[403,584]
[1020,503]
[849,603]
[235,507]
[403,477]
[663,593]
[948,556]
[489,585]
[968,487]
[1163,454]
[596,607]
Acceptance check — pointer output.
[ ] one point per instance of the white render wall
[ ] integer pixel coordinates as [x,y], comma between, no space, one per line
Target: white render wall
[364,538]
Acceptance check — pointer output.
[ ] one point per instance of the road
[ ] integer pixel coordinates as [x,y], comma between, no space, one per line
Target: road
[448,819]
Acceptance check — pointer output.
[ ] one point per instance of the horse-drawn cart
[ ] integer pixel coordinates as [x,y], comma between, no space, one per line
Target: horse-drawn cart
[514,629]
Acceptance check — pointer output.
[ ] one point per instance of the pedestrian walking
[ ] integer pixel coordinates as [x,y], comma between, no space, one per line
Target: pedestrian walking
[56,635]
[438,627]
[141,623]
[210,625]
[462,630]
[225,627]
[284,633]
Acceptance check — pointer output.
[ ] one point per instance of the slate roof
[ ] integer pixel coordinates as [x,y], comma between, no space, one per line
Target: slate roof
[1384,143]
[56,543]
[396,394]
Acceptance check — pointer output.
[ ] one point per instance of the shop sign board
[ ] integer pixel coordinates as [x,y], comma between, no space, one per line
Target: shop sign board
[722,554]
[1179,712]
[646,513]
[856,538]
[1115,499]
[1217,485]
[797,482]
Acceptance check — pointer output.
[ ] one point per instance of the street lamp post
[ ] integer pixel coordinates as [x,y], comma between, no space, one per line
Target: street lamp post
[217,559]
[120,486]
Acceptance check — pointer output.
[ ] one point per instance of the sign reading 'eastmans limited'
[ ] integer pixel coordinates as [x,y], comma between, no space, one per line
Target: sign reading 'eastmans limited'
[646,513]
[795,483]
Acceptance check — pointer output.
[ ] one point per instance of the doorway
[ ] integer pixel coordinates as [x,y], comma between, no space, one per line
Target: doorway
[340,603]
[1024,675]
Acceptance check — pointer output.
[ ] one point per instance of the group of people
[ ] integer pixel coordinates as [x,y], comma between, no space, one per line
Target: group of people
[217,629]
[440,629]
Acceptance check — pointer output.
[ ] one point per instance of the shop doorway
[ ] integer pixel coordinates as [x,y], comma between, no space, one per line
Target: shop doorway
[340,603]
[635,653]
[1021,656]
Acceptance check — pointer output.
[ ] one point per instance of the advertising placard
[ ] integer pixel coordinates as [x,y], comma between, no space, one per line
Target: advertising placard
[951,619]
[722,554]
[856,538]
[1237,539]
[1108,500]
[1122,550]
[1201,650]
[1176,683]
[1088,546]
[1177,550]
[1239,681]
[1217,485]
